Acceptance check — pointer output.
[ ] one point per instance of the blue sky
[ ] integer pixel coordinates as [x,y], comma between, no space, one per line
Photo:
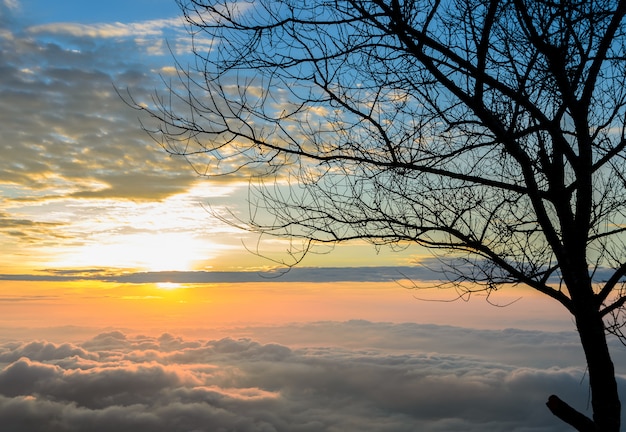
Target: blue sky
[39,11]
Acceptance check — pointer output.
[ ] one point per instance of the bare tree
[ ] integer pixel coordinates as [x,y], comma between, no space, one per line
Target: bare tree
[492,129]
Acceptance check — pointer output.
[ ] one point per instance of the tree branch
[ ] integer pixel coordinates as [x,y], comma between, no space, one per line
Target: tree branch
[569,415]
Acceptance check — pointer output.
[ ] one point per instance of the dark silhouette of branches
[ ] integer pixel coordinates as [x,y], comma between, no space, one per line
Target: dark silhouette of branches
[490,130]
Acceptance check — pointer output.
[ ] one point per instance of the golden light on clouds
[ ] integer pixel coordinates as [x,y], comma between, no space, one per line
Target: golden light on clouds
[175,233]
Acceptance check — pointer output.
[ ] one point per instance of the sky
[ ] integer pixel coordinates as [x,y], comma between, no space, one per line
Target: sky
[124,305]
[83,186]
[91,207]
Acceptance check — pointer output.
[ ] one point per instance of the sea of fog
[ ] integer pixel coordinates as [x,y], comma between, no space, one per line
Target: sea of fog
[309,377]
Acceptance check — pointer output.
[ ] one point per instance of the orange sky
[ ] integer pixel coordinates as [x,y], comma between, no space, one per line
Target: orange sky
[180,307]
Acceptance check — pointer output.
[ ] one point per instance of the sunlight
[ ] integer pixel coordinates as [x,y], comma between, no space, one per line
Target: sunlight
[168,285]
[146,251]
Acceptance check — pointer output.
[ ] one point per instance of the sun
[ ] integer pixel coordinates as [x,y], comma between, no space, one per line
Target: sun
[168,286]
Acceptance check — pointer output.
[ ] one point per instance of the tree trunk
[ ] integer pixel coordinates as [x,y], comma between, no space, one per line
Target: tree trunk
[604,395]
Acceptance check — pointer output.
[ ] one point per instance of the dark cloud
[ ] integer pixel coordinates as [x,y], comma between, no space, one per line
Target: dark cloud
[28,230]
[395,378]
[423,272]
[297,274]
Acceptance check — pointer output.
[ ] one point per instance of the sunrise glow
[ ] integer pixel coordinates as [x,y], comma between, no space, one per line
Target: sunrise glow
[132,301]
[168,285]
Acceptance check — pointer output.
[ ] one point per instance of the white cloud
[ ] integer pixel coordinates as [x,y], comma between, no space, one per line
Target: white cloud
[148,37]
[11,4]
[109,30]
[394,378]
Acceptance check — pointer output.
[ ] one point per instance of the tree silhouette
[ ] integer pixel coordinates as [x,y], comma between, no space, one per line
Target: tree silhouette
[493,130]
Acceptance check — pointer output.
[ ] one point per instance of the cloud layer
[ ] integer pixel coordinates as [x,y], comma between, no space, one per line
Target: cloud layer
[394,378]
[296,274]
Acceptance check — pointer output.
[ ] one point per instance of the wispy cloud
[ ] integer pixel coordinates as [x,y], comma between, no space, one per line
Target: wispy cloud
[28,230]
[11,4]
[110,30]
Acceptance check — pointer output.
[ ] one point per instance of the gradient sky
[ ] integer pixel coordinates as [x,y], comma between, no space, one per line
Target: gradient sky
[109,256]
[82,185]
[94,216]
[89,201]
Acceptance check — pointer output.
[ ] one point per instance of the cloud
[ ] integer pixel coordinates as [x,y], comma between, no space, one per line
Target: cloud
[152,37]
[78,172]
[296,274]
[110,30]
[28,230]
[419,274]
[72,136]
[70,132]
[11,4]
[326,382]
[71,145]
